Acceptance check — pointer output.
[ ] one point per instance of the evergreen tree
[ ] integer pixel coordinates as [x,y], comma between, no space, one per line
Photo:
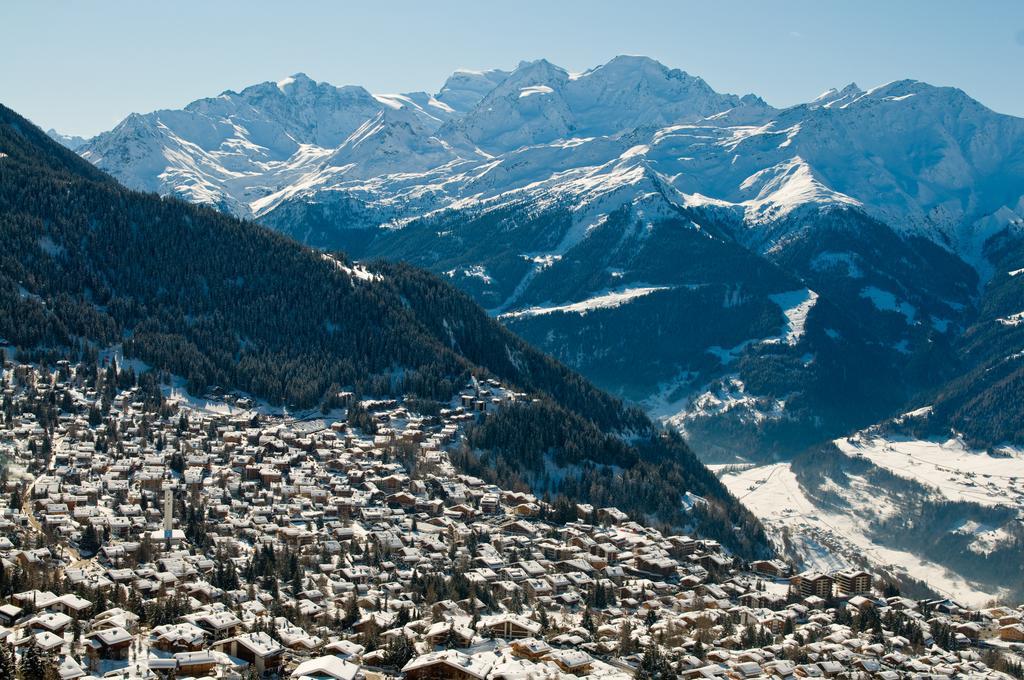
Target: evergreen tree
[627,645]
[36,664]
[654,666]
[90,543]
[588,620]
[398,652]
[7,665]
[351,612]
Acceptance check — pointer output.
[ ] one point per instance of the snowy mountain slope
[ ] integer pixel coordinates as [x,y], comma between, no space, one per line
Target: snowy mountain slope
[72,142]
[235,149]
[544,189]
[226,302]
[922,158]
[464,88]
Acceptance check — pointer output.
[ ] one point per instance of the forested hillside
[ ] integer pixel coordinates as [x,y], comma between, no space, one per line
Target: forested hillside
[226,302]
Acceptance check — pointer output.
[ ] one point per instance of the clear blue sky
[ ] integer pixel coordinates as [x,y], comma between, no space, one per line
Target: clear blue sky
[82,66]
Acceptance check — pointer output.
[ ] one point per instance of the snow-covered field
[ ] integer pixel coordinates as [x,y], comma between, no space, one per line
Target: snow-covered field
[960,473]
[826,540]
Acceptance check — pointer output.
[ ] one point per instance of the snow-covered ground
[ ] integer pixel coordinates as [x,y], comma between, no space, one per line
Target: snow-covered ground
[960,473]
[795,305]
[885,301]
[827,540]
[603,300]
[729,394]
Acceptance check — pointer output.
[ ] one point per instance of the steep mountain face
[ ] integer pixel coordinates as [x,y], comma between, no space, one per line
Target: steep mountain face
[235,150]
[88,264]
[981,402]
[540,103]
[786,275]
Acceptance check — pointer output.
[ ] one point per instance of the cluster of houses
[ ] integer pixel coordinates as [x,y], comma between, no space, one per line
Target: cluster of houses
[190,538]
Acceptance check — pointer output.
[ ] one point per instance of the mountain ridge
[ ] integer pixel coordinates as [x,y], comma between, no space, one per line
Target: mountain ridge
[547,189]
[547,120]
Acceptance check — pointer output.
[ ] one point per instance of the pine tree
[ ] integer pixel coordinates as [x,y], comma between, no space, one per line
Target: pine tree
[351,612]
[654,666]
[7,666]
[627,645]
[90,543]
[588,620]
[398,652]
[35,664]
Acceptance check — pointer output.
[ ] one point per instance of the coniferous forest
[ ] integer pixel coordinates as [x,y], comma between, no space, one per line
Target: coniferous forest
[224,302]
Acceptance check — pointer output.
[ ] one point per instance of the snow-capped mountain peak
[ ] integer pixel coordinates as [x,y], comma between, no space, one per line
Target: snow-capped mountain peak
[834,97]
[924,158]
[295,82]
[464,88]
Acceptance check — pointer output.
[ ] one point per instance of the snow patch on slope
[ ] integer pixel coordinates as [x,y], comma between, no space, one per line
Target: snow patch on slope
[795,306]
[604,300]
[885,301]
[1012,320]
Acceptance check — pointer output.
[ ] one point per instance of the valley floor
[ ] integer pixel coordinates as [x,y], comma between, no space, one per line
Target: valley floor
[825,540]
[960,473]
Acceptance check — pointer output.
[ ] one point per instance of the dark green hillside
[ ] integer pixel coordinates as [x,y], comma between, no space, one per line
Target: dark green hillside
[230,303]
[984,401]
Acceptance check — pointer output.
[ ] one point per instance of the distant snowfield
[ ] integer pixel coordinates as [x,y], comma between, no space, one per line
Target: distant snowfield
[960,473]
[825,540]
[602,301]
[887,302]
[795,307]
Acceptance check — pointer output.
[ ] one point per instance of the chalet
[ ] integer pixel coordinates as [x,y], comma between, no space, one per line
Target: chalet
[861,603]
[489,503]
[681,546]
[449,633]
[258,649]
[53,622]
[163,667]
[574,661]
[1012,633]
[509,626]
[446,665]
[9,613]
[612,516]
[655,564]
[46,641]
[773,568]
[970,630]
[534,649]
[110,643]
[69,669]
[195,664]
[325,668]
[179,637]
[218,624]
